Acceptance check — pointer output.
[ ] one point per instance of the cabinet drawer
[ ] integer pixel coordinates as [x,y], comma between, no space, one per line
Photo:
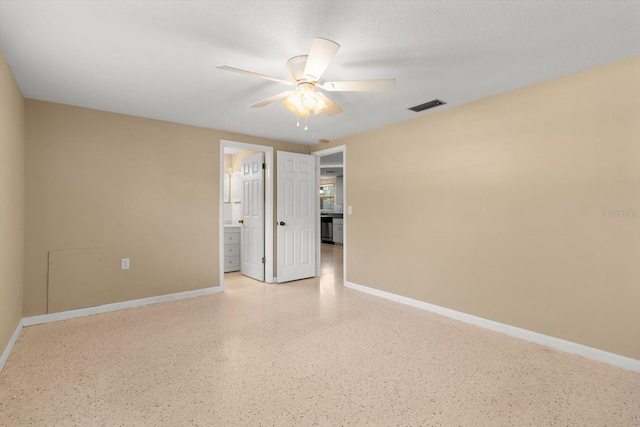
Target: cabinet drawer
[230,237]
[231,250]
[231,264]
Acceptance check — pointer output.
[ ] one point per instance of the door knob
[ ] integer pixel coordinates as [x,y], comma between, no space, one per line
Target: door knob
[281,222]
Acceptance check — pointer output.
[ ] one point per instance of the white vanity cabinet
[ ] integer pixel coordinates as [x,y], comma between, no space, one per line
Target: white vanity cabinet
[231,248]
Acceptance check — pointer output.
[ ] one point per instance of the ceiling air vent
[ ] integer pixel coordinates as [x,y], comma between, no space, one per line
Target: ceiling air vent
[427,105]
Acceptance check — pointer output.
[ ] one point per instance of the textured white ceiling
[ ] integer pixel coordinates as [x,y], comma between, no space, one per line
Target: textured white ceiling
[331,160]
[157,59]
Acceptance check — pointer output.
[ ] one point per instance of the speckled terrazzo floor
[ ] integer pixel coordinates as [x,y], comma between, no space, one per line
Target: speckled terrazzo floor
[305,353]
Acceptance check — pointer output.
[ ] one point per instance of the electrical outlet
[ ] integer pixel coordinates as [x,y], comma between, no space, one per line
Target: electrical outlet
[349,210]
[124,263]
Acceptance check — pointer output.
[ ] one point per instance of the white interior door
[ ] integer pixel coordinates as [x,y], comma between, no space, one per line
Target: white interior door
[252,230]
[296,216]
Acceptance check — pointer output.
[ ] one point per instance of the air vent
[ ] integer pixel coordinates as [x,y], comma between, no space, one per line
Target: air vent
[427,105]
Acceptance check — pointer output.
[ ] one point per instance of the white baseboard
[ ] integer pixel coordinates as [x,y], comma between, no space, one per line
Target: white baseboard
[10,344]
[63,315]
[557,343]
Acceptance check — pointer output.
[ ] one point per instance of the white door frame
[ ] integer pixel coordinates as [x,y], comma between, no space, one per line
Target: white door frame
[321,153]
[268,205]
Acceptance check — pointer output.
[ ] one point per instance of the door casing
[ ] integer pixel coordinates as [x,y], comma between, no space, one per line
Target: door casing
[268,205]
[318,154]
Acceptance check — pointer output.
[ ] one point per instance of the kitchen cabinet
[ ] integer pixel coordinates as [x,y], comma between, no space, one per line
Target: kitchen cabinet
[338,224]
[231,248]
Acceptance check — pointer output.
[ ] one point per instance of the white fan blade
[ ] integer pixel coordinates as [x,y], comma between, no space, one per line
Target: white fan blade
[251,73]
[332,108]
[320,56]
[274,98]
[379,85]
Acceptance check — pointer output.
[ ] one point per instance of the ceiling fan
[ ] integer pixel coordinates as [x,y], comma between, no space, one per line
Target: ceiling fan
[306,71]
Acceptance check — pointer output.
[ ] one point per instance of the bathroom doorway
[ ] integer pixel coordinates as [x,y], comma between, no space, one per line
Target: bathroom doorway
[246,243]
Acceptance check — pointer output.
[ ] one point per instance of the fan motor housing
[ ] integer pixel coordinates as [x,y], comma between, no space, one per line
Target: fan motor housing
[296,66]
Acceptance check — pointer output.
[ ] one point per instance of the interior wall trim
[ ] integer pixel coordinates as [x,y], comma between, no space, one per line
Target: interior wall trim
[81,312]
[10,344]
[546,340]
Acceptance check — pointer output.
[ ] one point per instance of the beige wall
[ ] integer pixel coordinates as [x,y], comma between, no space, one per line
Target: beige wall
[12,140]
[499,209]
[132,187]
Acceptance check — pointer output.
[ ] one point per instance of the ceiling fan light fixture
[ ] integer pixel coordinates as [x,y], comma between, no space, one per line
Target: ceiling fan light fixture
[321,105]
[294,104]
[309,101]
[306,71]
[304,100]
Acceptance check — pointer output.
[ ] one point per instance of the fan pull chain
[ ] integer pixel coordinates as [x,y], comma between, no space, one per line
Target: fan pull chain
[298,121]
[305,123]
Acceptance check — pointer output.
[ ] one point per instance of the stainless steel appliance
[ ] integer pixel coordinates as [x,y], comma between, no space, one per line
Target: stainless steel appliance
[326,229]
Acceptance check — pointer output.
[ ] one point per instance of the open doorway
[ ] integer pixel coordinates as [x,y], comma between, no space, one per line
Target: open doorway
[246,243]
[332,208]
